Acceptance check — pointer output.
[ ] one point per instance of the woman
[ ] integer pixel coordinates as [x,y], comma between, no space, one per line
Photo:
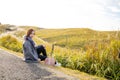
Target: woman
[31,52]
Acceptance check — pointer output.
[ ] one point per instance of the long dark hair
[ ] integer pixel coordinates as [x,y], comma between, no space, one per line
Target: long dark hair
[28,35]
[29,32]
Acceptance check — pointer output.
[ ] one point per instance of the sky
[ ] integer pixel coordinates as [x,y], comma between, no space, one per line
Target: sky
[94,14]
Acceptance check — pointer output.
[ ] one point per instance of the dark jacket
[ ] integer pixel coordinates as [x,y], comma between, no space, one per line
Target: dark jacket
[29,50]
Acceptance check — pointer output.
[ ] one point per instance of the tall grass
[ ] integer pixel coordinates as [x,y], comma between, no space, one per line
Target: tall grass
[101,60]
[98,56]
[11,42]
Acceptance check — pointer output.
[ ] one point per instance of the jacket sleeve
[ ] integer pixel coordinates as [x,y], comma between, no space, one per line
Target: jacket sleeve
[28,51]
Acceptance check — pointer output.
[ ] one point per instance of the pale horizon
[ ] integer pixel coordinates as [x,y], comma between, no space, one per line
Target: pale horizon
[57,14]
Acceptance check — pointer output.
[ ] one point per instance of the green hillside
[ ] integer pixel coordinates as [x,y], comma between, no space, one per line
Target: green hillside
[86,50]
[74,38]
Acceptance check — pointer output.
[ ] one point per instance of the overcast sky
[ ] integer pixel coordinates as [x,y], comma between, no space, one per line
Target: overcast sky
[95,14]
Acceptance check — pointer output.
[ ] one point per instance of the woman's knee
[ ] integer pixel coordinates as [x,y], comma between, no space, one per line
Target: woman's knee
[42,46]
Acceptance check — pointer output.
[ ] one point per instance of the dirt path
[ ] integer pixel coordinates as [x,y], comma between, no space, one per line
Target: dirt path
[14,68]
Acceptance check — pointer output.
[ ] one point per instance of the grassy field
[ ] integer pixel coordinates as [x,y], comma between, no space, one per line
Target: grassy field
[90,51]
[74,38]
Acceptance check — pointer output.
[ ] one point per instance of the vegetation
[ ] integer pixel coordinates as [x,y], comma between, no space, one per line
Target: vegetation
[75,38]
[7,27]
[102,61]
[93,52]
[11,42]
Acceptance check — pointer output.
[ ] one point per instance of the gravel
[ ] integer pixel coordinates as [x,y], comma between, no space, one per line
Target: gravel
[14,68]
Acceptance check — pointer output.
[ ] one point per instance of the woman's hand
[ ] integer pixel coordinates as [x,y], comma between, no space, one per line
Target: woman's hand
[39,59]
[44,46]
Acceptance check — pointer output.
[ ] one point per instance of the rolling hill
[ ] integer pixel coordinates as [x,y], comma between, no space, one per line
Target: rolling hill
[83,49]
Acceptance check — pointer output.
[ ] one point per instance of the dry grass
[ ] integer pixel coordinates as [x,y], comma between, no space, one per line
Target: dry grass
[98,56]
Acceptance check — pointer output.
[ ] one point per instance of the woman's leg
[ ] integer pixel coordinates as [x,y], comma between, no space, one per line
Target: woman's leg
[40,49]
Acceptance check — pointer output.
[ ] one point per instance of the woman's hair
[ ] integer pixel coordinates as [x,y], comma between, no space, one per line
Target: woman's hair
[29,32]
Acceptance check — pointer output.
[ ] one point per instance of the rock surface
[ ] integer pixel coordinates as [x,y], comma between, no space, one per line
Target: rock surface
[14,68]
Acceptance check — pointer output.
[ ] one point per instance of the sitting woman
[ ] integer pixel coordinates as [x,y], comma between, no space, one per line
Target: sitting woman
[31,52]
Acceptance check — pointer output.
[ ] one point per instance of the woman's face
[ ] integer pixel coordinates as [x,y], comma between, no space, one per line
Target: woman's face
[32,34]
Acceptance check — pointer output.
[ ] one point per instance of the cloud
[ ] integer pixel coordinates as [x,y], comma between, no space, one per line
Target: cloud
[96,14]
[114,9]
[119,3]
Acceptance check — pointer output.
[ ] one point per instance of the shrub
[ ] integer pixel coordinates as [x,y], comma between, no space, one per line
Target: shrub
[11,42]
[99,59]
